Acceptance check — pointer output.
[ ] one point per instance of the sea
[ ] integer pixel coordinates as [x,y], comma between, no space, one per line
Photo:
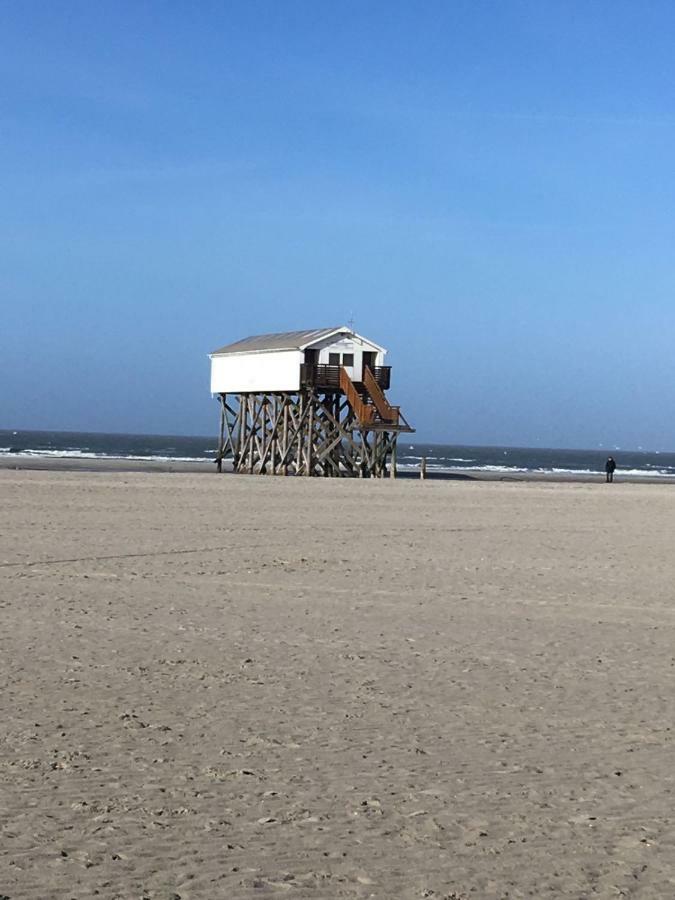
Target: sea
[441,458]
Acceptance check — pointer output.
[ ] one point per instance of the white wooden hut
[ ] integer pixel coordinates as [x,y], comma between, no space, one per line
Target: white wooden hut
[309,402]
[274,362]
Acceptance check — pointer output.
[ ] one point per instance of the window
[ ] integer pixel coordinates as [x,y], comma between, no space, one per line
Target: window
[333,359]
[347,359]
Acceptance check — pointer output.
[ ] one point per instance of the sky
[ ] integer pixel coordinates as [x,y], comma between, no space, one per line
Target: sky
[486,188]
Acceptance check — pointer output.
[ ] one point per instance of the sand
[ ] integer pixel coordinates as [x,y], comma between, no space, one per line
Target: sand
[245,687]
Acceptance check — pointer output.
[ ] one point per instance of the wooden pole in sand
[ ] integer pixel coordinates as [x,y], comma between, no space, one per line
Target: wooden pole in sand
[284,449]
[252,433]
[310,441]
[423,468]
[221,439]
[300,453]
[239,425]
[275,432]
[263,448]
[392,473]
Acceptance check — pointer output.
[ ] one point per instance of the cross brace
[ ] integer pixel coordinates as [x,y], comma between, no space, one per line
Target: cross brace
[311,433]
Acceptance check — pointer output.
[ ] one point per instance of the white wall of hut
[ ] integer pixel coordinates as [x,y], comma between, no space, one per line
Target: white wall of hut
[241,373]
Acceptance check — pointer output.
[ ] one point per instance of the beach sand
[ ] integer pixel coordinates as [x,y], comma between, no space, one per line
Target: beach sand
[244,687]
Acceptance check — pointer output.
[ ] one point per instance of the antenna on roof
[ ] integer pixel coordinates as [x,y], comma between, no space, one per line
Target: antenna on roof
[351,321]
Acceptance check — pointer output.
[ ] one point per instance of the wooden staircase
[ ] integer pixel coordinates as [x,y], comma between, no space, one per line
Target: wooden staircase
[387,413]
[364,412]
[367,399]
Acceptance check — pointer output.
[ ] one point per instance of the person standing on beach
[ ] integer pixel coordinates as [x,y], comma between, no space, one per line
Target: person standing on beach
[610,465]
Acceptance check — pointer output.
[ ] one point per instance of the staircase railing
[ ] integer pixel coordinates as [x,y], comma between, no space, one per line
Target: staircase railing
[388,413]
[364,413]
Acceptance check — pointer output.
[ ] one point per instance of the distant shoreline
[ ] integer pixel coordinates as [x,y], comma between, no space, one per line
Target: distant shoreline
[207,467]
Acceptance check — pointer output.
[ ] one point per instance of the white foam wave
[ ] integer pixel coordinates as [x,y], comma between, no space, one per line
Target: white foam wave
[80,454]
[406,463]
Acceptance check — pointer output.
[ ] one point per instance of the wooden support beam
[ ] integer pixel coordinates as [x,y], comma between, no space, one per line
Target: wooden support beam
[309,432]
[299,454]
[221,436]
[273,436]
[284,438]
[310,435]
[230,414]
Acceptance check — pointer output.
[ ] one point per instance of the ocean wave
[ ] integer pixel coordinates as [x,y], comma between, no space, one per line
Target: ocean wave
[408,456]
[493,461]
[27,453]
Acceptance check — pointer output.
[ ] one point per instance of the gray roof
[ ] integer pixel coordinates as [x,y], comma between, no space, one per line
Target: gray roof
[287,340]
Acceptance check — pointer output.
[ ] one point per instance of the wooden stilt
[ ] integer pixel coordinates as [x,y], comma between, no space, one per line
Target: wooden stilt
[221,437]
[284,439]
[251,437]
[299,455]
[310,436]
[263,440]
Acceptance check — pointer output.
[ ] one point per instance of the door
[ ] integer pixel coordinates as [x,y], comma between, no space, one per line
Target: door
[311,362]
[369,360]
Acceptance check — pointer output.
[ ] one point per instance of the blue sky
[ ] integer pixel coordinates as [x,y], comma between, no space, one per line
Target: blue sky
[488,187]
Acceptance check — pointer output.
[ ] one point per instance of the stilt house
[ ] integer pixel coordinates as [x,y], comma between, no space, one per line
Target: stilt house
[306,403]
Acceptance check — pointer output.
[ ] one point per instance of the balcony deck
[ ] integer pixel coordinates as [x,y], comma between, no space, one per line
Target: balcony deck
[328,377]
